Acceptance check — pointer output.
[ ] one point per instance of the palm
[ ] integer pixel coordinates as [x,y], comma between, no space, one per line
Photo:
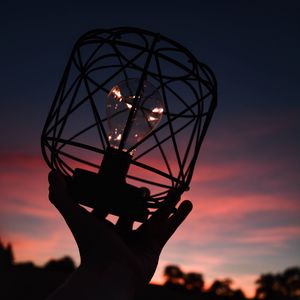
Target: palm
[101,243]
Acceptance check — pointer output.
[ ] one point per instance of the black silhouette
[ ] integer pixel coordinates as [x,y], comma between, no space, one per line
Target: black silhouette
[107,249]
[65,264]
[174,278]
[194,282]
[279,286]
[120,65]
[192,285]
[6,256]
[221,288]
[129,68]
[27,281]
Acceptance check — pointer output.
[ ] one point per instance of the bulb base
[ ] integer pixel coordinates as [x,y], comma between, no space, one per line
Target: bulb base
[108,191]
[115,165]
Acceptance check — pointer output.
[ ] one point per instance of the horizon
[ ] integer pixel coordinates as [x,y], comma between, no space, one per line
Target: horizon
[67,264]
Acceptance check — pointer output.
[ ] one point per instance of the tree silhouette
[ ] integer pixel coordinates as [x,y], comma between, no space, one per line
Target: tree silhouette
[280,286]
[194,282]
[238,295]
[291,281]
[65,264]
[269,287]
[6,256]
[284,285]
[221,288]
[174,277]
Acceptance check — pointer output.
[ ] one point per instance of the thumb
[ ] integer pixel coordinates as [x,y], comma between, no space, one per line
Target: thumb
[76,217]
[60,197]
[59,193]
[176,219]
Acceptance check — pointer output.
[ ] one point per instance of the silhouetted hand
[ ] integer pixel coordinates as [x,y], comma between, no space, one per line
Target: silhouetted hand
[114,258]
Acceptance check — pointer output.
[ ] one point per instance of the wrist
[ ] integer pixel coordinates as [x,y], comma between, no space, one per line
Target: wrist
[112,281]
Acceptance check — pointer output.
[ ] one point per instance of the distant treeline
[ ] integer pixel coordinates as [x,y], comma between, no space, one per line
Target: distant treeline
[280,286]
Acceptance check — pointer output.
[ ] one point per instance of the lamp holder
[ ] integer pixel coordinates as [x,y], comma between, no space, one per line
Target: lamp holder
[108,191]
[76,137]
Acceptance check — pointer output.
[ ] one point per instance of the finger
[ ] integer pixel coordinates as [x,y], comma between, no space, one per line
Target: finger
[163,213]
[158,237]
[51,176]
[99,214]
[177,218]
[57,181]
[60,197]
[124,225]
[169,227]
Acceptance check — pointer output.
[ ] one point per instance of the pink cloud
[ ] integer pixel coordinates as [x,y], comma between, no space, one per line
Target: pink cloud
[217,221]
[235,206]
[274,173]
[24,191]
[217,217]
[24,185]
[209,171]
[240,129]
[275,236]
[55,244]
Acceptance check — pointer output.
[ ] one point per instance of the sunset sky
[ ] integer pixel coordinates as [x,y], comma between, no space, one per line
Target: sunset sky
[246,187]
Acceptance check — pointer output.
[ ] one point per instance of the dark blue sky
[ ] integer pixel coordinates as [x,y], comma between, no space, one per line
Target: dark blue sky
[252,46]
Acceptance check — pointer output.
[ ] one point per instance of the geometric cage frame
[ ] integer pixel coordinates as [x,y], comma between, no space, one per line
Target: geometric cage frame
[75,133]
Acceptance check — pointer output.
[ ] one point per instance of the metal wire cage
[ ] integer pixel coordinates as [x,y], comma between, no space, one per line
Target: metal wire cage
[76,132]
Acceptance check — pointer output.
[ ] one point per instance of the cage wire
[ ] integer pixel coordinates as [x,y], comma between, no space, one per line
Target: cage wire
[75,134]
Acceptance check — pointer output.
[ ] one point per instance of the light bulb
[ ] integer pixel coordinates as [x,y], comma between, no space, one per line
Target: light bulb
[144,108]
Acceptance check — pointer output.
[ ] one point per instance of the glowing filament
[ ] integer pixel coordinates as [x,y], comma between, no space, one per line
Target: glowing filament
[152,119]
[117,93]
[133,111]
[158,110]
